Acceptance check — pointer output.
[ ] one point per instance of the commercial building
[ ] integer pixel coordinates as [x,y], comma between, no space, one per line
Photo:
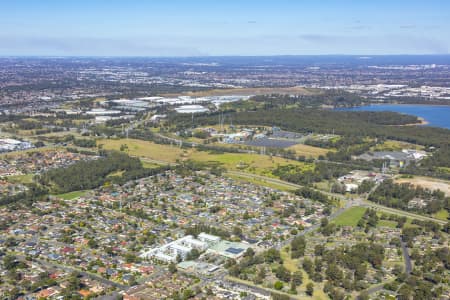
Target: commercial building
[7,145]
[177,249]
[204,242]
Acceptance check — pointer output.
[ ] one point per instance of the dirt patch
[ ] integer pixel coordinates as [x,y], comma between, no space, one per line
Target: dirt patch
[429,183]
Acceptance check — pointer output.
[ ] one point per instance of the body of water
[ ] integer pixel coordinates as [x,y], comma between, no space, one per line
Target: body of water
[435,115]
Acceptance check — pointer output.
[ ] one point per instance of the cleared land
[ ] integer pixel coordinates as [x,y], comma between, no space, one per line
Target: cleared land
[387,223]
[350,217]
[253,163]
[308,151]
[441,215]
[26,178]
[391,145]
[262,182]
[428,183]
[146,149]
[71,195]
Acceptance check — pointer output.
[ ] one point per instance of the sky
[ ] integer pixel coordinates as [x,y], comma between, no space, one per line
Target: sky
[223,27]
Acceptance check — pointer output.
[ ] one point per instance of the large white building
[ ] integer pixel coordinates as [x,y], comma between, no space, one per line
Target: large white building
[7,145]
[188,109]
[178,248]
[204,242]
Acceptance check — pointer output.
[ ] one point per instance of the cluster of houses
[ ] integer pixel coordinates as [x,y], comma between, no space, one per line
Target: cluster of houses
[9,189]
[38,161]
[104,231]
[216,201]
[163,286]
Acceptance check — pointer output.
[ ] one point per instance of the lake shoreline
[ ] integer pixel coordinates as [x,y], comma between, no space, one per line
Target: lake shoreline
[428,115]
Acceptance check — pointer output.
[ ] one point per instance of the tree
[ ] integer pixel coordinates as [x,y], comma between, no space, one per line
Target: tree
[283,274]
[188,293]
[293,288]
[360,272]
[298,246]
[310,289]
[278,285]
[272,255]
[172,268]
[237,231]
[193,254]
[363,296]
[249,252]
[308,265]
[334,273]
[9,262]
[319,249]
[297,277]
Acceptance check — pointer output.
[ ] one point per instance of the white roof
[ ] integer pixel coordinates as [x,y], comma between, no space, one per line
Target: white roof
[180,247]
[164,257]
[208,237]
[10,141]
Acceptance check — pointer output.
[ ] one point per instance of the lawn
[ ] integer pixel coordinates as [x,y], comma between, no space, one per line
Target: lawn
[146,149]
[72,195]
[387,223]
[27,178]
[391,145]
[350,217]
[149,165]
[441,215]
[262,182]
[409,224]
[253,163]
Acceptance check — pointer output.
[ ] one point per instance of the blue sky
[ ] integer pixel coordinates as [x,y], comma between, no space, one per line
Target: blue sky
[223,27]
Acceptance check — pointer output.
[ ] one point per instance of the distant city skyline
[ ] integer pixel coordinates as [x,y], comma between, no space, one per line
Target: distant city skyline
[225,28]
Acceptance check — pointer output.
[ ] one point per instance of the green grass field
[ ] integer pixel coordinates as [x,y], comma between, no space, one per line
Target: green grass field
[262,183]
[441,215]
[144,149]
[72,195]
[252,163]
[27,178]
[391,145]
[149,165]
[350,217]
[308,151]
[387,223]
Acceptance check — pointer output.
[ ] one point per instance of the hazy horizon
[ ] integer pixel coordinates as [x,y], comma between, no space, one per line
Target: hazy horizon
[233,28]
